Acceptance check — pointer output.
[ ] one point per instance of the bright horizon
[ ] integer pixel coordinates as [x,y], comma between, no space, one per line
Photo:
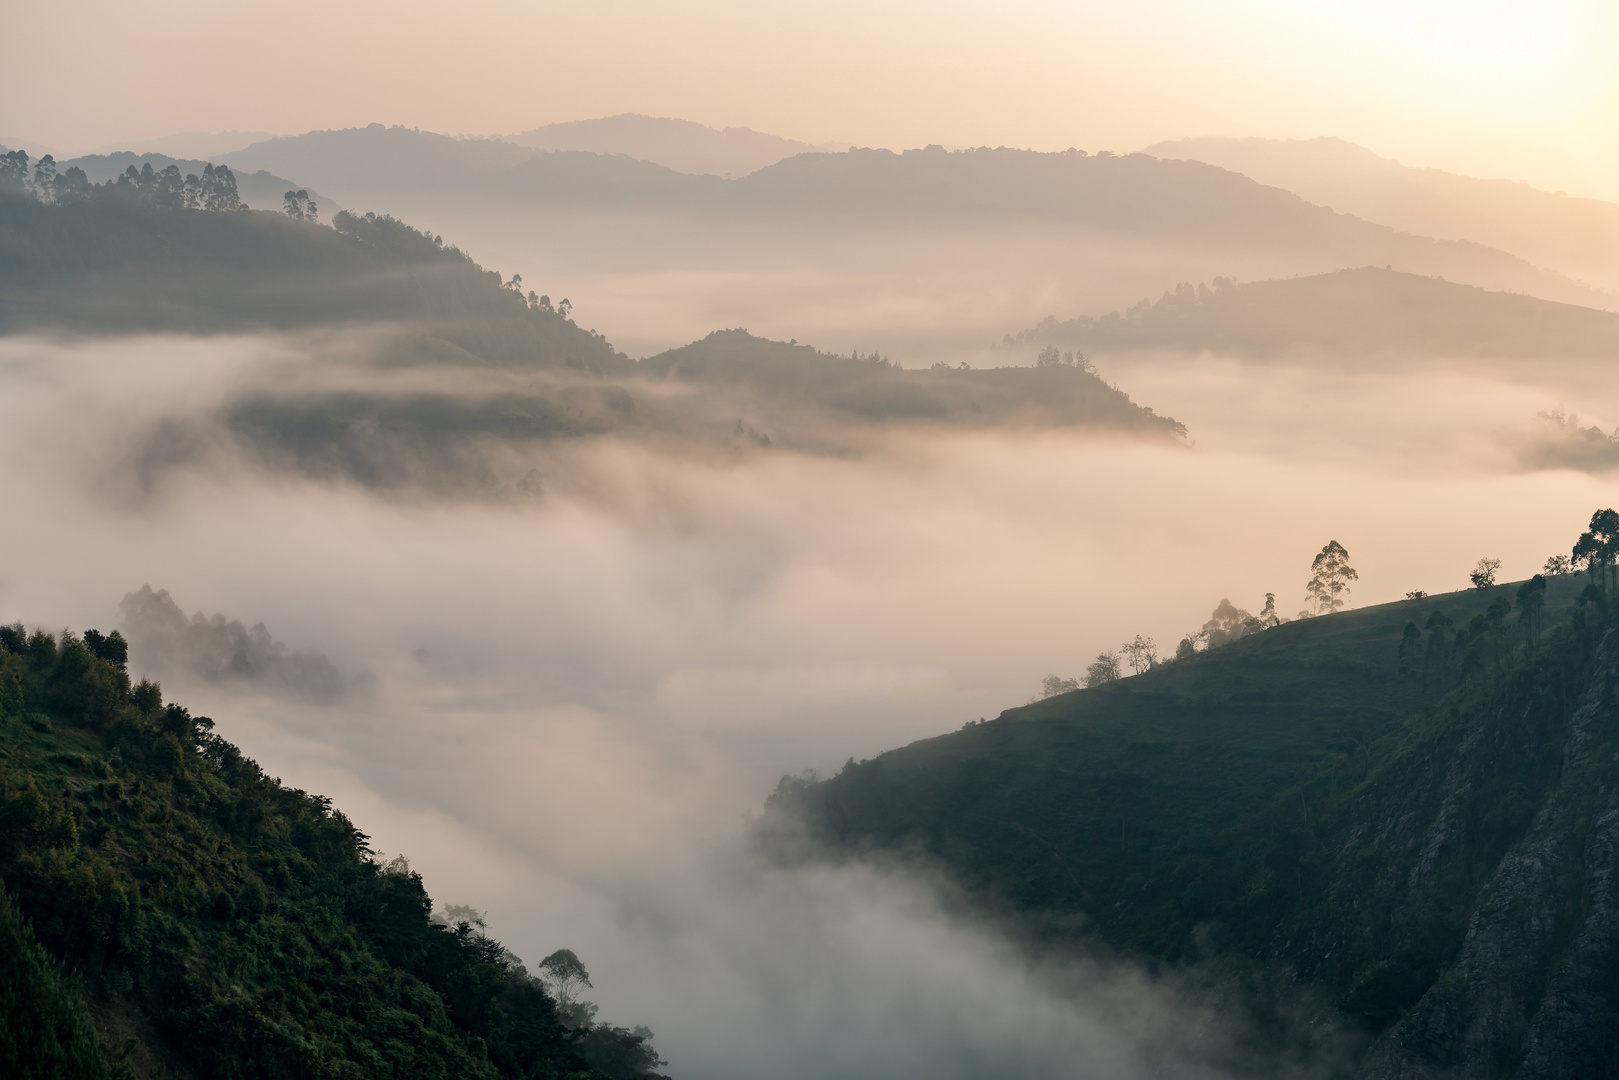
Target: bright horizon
[1508,90]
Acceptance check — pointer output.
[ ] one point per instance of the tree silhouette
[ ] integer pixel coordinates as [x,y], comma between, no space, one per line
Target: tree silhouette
[1141,654]
[565,973]
[1598,547]
[299,206]
[1105,669]
[1531,599]
[1331,575]
[1483,575]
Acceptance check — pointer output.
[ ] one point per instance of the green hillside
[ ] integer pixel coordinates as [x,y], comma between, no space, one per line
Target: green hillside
[1295,802]
[170,911]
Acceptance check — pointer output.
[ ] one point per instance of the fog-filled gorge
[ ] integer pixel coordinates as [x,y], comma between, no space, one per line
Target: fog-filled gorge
[572,698]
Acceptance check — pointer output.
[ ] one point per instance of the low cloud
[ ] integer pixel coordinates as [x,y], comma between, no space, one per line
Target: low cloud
[579,696]
[216,650]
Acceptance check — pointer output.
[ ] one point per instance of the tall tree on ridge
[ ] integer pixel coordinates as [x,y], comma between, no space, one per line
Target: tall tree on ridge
[1331,575]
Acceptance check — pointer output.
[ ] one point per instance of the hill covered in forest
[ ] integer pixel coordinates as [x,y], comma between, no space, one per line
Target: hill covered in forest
[131,257]
[453,378]
[1368,310]
[169,910]
[1407,814]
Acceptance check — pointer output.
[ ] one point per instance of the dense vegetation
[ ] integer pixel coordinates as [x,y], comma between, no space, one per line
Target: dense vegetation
[1350,800]
[1051,393]
[1355,312]
[170,910]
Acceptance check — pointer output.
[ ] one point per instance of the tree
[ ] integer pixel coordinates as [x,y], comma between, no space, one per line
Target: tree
[14,170]
[1267,614]
[1531,599]
[44,178]
[1437,653]
[299,206]
[1558,566]
[1483,575]
[1104,670]
[1410,648]
[1052,685]
[71,187]
[1228,623]
[565,974]
[1141,654]
[1598,547]
[1331,577]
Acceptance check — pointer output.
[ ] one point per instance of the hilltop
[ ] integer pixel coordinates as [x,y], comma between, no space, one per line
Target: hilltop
[1413,828]
[1363,311]
[681,145]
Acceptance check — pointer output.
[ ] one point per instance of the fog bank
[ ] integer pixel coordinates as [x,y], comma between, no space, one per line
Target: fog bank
[576,697]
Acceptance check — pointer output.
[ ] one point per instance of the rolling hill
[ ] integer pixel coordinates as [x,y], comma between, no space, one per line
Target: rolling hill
[1579,237]
[681,145]
[1362,312]
[1426,846]
[1142,199]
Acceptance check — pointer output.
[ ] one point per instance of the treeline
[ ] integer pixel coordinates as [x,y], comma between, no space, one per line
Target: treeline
[1483,643]
[195,915]
[214,190]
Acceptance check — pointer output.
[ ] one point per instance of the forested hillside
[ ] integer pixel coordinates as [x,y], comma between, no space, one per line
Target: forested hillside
[133,256]
[1412,810]
[171,911]
[1361,311]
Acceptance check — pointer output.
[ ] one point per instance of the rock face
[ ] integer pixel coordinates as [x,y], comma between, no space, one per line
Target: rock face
[1532,991]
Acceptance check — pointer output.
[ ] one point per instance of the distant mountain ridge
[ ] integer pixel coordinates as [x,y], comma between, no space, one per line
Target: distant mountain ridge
[1136,195]
[1367,310]
[1577,236]
[682,145]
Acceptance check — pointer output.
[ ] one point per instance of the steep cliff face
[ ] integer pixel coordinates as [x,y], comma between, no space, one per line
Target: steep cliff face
[1431,847]
[1532,990]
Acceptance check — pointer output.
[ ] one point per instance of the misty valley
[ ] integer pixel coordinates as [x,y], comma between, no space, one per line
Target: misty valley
[1154,624]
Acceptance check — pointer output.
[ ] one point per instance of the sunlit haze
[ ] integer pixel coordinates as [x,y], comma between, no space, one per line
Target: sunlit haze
[1524,91]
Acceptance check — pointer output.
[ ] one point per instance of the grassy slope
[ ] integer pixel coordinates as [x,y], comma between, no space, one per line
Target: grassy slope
[216,922]
[1265,791]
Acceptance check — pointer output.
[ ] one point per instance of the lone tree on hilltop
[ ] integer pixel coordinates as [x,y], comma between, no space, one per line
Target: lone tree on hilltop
[1483,575]
[1331,575]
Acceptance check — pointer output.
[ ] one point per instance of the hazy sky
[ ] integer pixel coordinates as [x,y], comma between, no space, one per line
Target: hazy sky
[1525,90]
